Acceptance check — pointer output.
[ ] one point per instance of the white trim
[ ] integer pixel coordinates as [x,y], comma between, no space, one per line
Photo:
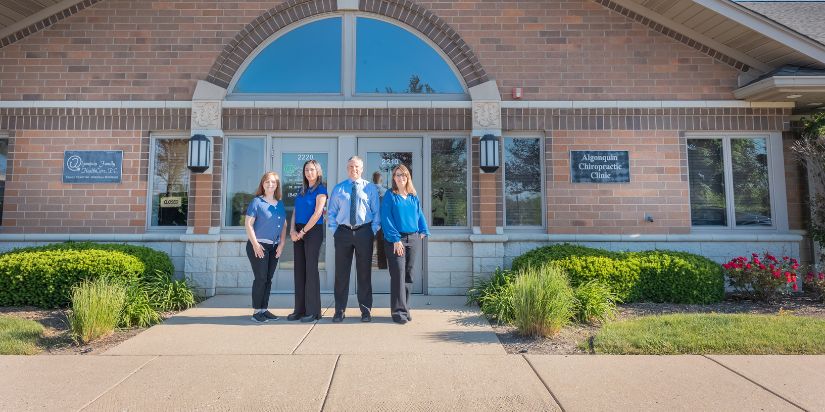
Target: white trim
[766,27]
[381,104]
[774,83]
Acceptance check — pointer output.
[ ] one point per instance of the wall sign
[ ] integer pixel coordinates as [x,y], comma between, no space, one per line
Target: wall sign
[599,166]
[172,201]
[92,166]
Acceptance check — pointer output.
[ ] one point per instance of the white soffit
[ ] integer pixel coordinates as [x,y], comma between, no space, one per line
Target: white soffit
[806,89]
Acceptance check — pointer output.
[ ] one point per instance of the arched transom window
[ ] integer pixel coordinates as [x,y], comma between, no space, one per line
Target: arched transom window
[348,56]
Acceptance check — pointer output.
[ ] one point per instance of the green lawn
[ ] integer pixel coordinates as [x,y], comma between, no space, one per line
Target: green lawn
[713,334]
[19,336]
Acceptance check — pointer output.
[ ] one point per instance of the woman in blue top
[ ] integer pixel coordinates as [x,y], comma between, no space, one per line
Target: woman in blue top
[404,226]
[266,230]
[308,233]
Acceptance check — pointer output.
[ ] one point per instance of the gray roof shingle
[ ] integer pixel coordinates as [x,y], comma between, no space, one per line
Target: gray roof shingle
[806,17]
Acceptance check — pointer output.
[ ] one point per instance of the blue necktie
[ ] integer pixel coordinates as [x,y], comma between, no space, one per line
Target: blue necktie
[353,204]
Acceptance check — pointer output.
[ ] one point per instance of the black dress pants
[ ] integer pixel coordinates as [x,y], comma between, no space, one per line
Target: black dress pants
[263,269]
[307,280]
[401,273]
[359,241]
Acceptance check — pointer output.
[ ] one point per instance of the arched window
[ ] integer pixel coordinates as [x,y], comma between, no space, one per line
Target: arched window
[348,56]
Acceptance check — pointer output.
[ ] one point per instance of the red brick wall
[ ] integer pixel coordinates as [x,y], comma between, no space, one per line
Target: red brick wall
[555,50]
[658,185]
[38,202]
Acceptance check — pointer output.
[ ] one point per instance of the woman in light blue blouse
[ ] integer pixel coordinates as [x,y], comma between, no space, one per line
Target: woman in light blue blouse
[266,232]
[404,226]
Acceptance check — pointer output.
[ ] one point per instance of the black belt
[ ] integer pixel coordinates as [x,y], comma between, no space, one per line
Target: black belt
[402,234]
[356,227]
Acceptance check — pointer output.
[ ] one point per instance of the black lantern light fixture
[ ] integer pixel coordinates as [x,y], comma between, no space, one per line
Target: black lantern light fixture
[489,153]
[199,153]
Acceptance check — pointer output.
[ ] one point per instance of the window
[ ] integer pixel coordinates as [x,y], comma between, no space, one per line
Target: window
[730,184]
[347,56]
[522,182]
[391,60]
[4,156]
[448,158]
[304,60]
[245,166]
[170,183]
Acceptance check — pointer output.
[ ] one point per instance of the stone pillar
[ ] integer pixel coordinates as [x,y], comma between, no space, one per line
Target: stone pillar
[488,254]
[201,262]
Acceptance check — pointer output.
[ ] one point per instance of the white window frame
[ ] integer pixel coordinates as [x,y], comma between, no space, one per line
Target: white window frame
[153,138]
[776,181]
[428,180]
[267,160]
[543,184]
[348,64]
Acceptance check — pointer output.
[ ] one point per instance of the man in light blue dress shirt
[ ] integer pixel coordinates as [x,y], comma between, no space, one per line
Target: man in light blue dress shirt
[354,217]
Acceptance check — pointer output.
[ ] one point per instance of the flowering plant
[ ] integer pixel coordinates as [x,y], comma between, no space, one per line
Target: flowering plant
[762,277]
[815,282]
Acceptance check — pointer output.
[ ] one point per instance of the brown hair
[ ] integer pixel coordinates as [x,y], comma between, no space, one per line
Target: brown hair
[318,182]
[267,175]
[410,188]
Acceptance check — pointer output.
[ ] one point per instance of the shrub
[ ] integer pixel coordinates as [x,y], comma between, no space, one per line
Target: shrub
[815,283]
[657,275]
[762,278]
[595,303]
[543,301]
[167,294]
[153,260]
[494,296]
[44,278]
[96,307]
[138,310]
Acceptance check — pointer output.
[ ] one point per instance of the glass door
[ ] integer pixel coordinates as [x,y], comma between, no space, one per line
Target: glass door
[288,157]
[380,156]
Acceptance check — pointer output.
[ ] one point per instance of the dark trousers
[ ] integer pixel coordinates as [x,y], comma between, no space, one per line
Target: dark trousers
[307,280]
[348,241]
[401,273]
[379,250]
[263,269]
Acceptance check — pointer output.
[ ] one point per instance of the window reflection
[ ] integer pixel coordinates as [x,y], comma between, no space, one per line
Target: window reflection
[304,60]
[245,166]
[390,59]
[522,182]
[292,179]
[707,182]
[751,194]
[449,182]
[170,183]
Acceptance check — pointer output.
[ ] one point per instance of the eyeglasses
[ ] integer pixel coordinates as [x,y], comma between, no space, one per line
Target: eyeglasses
[400,175]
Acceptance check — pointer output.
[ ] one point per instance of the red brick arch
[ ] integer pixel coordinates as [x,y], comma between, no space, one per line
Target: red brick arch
[403,11]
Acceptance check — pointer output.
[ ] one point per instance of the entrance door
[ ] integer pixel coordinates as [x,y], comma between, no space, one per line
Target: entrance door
[288,157]
[380,156]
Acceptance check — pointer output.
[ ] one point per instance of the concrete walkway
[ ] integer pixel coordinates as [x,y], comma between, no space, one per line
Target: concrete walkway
[214,358]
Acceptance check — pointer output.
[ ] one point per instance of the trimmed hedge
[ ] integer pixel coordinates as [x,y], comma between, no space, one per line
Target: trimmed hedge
[152,259]
[655,275]
[44,278]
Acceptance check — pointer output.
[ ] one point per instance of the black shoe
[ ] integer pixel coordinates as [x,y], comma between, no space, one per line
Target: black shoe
[294,316]
[270,316]
[399,319]
[338,318]
[409,317]
[366,317]
[310,318]
[259,318]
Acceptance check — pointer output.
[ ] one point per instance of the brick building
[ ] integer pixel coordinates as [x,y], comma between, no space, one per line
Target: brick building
[624,124]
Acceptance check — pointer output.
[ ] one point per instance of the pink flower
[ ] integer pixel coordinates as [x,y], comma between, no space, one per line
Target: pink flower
[795,288]
[821,276]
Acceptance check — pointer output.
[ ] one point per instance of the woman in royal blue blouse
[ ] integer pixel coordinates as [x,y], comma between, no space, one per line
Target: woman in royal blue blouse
[404,226]
[308,234]
[266,231]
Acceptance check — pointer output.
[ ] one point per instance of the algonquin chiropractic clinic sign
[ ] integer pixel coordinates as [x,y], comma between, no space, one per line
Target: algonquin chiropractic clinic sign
[590,166]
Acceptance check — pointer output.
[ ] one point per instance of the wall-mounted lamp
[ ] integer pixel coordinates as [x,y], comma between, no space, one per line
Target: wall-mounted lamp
[489,153]
[199,153]
[518,92]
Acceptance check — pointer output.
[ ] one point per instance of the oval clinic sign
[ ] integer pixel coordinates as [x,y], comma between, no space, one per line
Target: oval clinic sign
[599,166]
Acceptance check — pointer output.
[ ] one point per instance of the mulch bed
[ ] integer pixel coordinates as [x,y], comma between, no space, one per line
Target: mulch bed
[567,341]
[56,338]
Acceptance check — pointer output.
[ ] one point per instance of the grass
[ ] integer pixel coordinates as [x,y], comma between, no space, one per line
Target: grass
[19,336]
[96,309]
[740,334]
[543,301]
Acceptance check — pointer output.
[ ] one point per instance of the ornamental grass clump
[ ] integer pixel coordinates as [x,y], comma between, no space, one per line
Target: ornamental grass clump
[763,277]
[543,301]
[595,303]
[96,308]
[494,296]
